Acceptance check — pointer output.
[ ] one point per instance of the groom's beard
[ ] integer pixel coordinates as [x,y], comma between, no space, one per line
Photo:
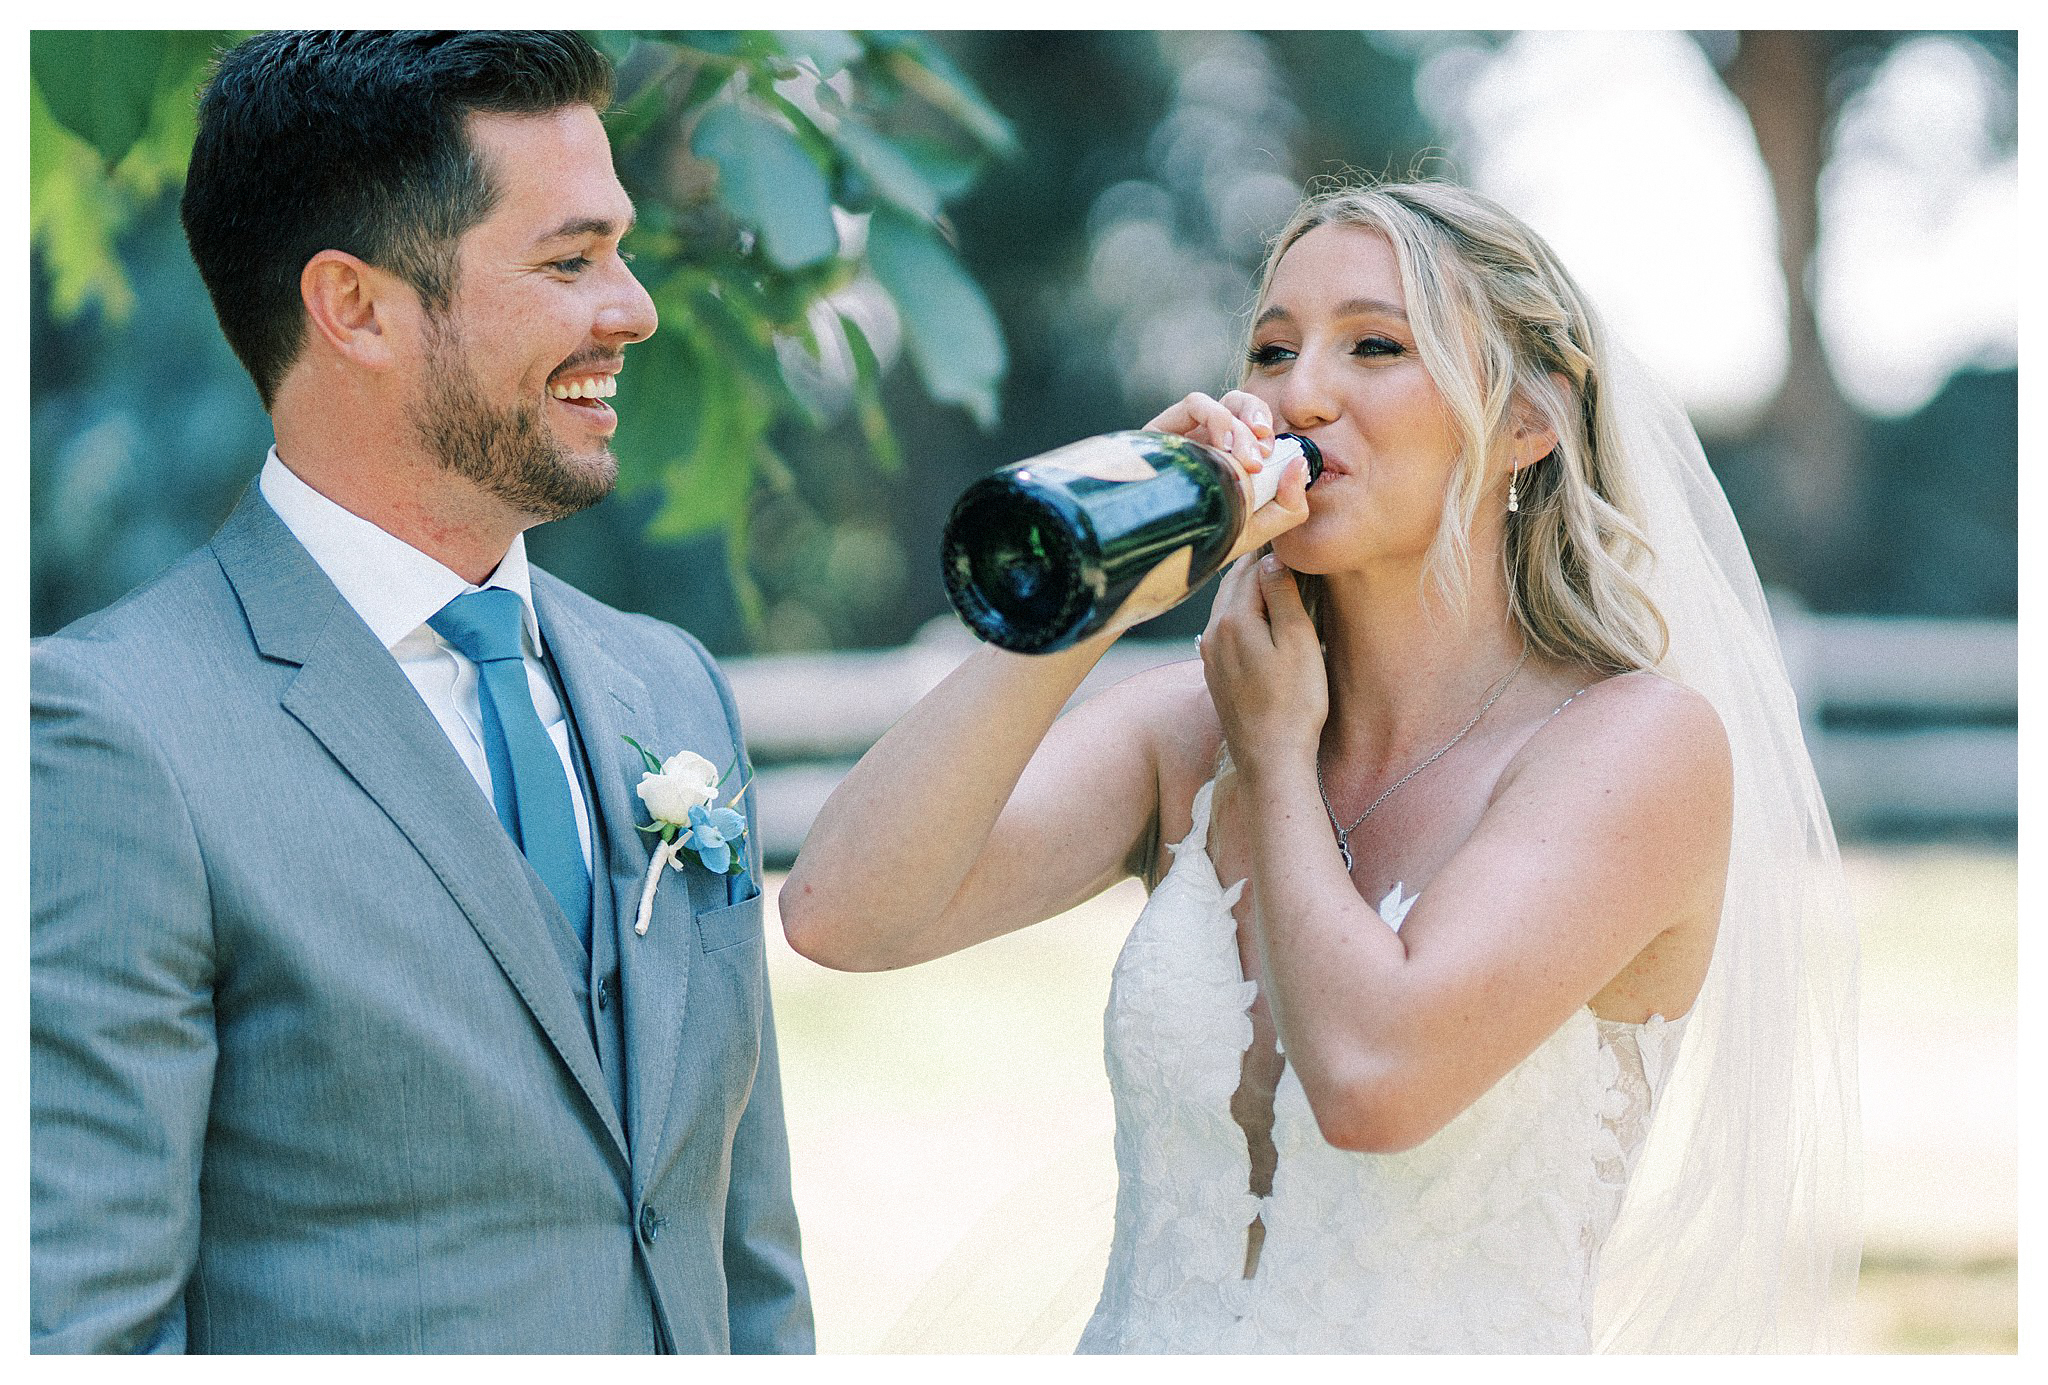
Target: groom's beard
[509,452]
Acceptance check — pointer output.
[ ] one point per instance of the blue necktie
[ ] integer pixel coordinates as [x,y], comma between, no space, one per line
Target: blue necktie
[527,782]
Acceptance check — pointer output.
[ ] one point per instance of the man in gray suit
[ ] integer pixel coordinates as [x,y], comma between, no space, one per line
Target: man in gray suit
[342,1035]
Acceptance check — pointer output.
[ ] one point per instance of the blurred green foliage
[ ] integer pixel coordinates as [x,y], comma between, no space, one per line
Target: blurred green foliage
[782,179]
[111,124]
[1053,231]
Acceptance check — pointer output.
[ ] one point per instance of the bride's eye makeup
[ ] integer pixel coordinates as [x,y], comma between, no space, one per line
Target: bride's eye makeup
[1271,354]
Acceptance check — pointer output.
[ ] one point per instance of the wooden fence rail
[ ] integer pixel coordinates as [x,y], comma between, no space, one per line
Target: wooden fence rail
[1913,724]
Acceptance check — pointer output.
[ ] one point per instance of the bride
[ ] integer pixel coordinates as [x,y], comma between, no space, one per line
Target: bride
[1495,990]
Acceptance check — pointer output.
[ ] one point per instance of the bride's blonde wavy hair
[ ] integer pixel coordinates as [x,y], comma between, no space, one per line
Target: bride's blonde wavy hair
[1505,334]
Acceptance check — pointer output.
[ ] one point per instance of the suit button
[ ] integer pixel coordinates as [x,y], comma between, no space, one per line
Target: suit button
[650,1225]
[604,993]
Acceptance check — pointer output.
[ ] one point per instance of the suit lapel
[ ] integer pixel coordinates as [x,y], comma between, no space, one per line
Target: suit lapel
[352,696]
[610,703]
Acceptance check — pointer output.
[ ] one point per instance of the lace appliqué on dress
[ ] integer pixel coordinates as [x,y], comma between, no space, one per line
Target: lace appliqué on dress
[1642,1055]
[1482,1238]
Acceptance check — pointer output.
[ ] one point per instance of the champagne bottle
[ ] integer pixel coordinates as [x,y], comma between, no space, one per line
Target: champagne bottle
[1100,534]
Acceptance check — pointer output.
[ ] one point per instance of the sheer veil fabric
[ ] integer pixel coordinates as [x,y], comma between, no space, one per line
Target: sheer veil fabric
[1740,1228]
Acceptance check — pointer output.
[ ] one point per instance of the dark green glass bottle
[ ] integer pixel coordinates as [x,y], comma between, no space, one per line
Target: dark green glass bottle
[1111,529]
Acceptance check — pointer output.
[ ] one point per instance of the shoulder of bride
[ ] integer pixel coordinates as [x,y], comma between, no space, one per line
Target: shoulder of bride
[1636,730]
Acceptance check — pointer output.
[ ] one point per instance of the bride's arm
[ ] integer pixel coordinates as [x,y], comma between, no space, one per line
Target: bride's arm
[1609,831]
[975,815]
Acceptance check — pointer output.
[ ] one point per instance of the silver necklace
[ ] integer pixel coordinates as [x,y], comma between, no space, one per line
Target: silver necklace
[1344,833]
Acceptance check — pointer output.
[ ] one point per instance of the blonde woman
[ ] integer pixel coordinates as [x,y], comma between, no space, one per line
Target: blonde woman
[1494,992]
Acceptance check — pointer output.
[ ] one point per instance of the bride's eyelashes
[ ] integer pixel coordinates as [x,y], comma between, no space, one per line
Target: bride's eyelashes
[1267,356]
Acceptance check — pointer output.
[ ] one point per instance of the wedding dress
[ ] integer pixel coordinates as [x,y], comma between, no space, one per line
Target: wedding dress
[1483,1238]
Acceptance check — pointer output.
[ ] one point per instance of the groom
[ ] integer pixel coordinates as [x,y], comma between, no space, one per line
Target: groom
[342,1037]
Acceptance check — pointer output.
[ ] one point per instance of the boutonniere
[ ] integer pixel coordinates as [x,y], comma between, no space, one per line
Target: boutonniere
[681,794]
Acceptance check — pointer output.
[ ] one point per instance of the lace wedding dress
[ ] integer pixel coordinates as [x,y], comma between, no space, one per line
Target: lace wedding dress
[1484,1238]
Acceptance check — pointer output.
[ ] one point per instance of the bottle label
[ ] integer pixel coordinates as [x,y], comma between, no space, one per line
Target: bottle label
[1103,459]
[1161,589]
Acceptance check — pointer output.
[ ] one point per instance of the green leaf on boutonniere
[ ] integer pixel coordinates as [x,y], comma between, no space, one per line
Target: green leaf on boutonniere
[653,765]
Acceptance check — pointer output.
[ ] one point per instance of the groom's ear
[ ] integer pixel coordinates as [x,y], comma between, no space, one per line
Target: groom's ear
[365,315]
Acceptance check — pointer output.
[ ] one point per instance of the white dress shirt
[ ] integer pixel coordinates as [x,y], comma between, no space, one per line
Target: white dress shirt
[395,588]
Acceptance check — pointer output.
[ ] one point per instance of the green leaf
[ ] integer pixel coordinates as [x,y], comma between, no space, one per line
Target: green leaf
[923,68]
[803,377]
[785,300]
[770,183]
[157,162]
[867,399]
[713,76]
[628,120]
[80,199]
[706,492]
[74,215]
[740,325]
[101,84]
[740,792]
[949,173]
[952,331]
[663,400]
[738,331]
[817,145]
[707,475]
[653,765]
[829,50]
[745,590]
[891,173]
[773,469]
[724,43]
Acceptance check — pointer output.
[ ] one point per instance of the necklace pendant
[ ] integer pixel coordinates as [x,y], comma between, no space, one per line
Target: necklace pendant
[1343,832]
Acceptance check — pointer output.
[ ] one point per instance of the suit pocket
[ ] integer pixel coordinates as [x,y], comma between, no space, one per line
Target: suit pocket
[718,929]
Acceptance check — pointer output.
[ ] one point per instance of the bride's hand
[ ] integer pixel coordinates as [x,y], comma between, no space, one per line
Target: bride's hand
[1264,666]
[1241,425]
[1238,423]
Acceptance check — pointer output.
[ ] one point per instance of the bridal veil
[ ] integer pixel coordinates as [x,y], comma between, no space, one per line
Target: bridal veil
[1741,1227]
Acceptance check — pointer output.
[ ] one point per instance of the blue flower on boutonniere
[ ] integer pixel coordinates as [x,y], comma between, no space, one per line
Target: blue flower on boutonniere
[713,831]
[680,793]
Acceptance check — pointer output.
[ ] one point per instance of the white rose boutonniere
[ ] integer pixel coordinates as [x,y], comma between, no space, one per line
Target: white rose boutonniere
[674,786]
[680,793]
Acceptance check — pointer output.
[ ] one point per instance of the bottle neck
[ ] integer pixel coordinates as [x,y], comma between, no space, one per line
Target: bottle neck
[1266,483]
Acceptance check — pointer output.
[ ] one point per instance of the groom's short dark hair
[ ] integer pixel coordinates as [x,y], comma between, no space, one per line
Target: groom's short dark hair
[355,141]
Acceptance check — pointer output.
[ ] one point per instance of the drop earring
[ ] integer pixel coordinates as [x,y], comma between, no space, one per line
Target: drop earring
[1514,502]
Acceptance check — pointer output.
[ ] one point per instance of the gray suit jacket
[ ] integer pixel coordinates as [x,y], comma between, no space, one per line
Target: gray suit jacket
[308,1071]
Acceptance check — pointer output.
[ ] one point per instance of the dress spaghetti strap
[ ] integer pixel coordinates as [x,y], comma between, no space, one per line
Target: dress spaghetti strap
[1564,704]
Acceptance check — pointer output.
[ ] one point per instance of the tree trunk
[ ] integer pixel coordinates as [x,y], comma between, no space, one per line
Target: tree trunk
[1810,438]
